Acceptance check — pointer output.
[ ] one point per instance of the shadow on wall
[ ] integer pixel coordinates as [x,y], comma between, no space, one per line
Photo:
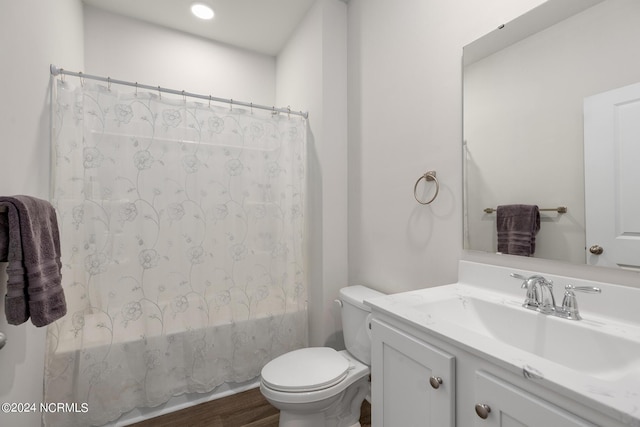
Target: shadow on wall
[314,232]
[335,340]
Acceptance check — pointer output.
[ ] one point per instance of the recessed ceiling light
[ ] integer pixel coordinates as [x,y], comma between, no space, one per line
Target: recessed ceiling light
[202,11]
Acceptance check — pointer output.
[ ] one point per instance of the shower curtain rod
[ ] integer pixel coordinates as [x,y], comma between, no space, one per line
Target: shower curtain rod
[55,71]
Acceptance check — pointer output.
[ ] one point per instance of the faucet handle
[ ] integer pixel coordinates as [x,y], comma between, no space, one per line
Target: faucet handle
[521,277]
[518,276]
[527,282]
[587,289]
[570,302]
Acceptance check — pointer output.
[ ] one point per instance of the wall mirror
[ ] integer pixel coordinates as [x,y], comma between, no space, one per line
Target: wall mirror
[525,87]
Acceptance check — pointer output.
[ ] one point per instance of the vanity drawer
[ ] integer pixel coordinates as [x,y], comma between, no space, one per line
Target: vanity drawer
[501,404]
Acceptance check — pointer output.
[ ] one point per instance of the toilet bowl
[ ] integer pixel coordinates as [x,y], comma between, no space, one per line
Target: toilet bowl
[319,386]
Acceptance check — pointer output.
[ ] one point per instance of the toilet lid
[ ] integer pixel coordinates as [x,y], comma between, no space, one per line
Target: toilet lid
[307,369]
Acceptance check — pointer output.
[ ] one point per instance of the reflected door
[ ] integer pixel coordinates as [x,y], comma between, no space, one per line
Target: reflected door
[612,173]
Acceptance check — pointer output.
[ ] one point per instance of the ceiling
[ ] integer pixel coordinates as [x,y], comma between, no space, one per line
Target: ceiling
[261,26]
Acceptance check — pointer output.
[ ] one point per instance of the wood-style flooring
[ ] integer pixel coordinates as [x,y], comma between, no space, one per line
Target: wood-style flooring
[247,409]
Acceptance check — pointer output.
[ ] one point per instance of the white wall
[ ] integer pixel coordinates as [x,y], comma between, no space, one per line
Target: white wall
[405,119]
[312,73]
[33,34]
[128,49]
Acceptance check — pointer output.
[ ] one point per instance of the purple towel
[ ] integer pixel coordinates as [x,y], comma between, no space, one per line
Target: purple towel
[517,227]
[4,234]
[34,286]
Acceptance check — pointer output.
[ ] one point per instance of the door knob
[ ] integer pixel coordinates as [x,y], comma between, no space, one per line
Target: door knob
[596,249]
[483,410]
[435,382]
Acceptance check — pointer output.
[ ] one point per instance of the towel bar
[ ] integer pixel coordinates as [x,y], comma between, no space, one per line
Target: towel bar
[559,209]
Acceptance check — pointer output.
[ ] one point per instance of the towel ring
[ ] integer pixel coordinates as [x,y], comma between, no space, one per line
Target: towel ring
[429,176]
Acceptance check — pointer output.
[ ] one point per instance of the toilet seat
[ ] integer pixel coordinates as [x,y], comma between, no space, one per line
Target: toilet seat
[357,371]
[305,370]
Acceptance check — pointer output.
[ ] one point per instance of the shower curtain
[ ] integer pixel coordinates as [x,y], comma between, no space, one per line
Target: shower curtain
[182,228]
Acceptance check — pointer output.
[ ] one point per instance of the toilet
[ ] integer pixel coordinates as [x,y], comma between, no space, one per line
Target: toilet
[322,387]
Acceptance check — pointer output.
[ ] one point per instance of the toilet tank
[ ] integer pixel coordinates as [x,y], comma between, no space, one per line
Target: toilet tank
[355,321]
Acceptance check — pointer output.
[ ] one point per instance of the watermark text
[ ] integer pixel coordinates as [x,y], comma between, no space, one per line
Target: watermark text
[43,407]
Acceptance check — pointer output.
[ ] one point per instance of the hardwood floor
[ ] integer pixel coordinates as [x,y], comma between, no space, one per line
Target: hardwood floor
[247,409]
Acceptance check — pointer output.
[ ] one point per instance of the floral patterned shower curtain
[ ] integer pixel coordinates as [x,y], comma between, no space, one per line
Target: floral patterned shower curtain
[182,228]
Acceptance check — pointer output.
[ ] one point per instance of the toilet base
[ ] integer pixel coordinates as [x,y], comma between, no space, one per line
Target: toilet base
[344,411]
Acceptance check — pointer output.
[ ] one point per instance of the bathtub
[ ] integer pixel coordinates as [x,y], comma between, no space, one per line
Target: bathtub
[132,379]
[184,401]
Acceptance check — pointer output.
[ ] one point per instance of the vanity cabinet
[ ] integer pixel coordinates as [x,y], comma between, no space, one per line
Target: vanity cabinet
[413,383]
[418,380]
[511,406]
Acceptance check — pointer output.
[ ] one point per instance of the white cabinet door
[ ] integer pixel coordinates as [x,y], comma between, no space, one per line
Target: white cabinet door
[403,369]
[511,406]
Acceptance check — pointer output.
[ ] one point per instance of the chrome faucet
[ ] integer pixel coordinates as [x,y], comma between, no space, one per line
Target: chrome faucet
[540,297]
[539,292]
[547,304]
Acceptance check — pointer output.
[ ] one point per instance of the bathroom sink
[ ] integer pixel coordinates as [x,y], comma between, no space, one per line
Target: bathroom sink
[590,367]
[588,346]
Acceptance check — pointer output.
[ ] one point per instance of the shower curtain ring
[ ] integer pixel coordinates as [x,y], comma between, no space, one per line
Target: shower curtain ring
[288,111]
[109,84]
[81,78]
[159,92]
[251,107]
[209,101]
[231,105]
[136,88]
[184,97]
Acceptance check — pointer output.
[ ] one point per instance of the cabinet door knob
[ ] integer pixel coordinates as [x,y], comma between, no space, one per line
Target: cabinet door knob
[435,382]
[483,410]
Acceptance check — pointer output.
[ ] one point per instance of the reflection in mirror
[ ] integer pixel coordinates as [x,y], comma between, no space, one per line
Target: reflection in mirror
[524,90]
